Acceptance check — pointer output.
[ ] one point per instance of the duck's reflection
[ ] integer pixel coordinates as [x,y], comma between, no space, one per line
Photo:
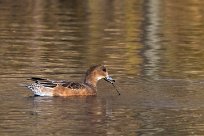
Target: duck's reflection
[79,115]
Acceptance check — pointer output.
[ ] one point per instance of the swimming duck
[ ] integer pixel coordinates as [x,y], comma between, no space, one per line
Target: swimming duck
[46,87]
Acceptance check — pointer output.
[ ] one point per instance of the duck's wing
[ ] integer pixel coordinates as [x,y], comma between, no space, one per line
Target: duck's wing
[52,83]
[73,85]
[44,82]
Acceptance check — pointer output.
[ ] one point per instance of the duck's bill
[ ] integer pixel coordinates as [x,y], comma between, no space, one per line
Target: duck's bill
[109,79]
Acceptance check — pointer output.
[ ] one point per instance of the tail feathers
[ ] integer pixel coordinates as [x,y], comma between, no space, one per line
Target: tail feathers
[37,78]
[40,90]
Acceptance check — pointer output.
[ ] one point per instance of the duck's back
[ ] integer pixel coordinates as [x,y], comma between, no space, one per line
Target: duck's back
[46,87]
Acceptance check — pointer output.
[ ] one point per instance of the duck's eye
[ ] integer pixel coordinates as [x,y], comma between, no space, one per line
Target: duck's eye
[104,69]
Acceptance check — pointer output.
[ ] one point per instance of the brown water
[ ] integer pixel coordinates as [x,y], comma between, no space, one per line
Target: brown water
[153,48]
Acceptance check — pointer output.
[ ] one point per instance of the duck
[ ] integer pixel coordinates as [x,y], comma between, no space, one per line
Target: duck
[47,87]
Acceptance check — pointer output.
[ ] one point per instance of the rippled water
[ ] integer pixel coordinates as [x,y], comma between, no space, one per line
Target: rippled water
[153,48]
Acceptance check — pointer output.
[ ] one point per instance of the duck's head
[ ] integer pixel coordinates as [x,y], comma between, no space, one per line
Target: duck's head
[95,73]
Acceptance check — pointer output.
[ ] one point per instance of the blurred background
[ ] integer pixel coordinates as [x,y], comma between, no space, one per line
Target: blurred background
[153,48]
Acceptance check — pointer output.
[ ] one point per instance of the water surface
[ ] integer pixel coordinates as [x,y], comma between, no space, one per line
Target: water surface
[153,48]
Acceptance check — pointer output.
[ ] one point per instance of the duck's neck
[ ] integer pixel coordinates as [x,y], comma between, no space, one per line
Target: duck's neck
[90,80]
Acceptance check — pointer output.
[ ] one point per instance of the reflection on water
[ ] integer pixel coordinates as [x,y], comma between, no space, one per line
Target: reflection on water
[152,47]
[151,38]
[85,116]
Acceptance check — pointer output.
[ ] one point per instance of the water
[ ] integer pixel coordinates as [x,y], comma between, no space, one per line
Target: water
[153,48]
